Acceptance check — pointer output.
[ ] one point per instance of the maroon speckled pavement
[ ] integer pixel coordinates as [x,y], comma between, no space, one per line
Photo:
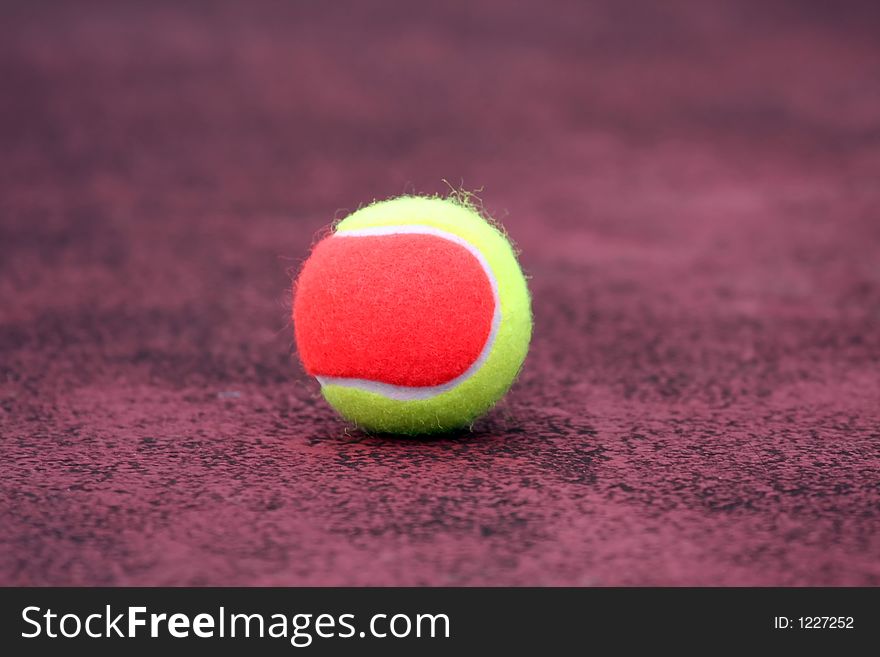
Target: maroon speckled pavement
[694,189]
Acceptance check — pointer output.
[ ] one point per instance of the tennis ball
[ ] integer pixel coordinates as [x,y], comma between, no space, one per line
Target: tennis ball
[413,315]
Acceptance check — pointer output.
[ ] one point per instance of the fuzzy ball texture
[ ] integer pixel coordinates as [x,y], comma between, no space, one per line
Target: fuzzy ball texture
[414,315]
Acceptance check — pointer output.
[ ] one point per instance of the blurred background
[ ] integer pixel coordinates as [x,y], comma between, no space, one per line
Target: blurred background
[694,188]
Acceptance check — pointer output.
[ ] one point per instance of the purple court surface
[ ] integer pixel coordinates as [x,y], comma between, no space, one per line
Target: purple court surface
[695,189]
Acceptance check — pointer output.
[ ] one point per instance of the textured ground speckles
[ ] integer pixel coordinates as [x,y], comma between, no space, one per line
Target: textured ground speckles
[694,192]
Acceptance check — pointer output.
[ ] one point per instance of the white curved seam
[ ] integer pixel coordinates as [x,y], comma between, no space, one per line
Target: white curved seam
[410,393]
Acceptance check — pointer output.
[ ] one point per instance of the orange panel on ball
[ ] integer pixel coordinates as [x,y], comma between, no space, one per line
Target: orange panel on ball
[402,309]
